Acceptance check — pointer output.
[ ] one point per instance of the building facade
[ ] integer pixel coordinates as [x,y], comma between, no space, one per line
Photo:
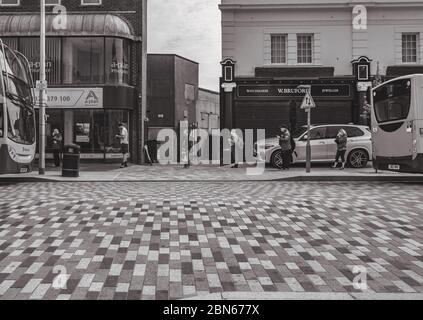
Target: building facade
[208,109]
[338,47]
[95,53]
[172,92]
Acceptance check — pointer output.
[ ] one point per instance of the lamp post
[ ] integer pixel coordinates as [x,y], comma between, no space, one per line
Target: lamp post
[42,86]
[307,104]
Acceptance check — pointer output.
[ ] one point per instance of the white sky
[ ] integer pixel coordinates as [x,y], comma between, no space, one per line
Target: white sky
[190,28]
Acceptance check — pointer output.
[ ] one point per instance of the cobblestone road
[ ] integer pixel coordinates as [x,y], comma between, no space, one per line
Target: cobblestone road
[179,240]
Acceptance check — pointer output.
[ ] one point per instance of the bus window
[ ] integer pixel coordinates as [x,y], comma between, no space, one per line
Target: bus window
[392,102]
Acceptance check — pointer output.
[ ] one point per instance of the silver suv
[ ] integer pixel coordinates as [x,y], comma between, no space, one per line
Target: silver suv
[323,146]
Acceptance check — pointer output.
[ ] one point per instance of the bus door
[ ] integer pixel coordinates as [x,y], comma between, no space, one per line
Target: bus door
[393,135]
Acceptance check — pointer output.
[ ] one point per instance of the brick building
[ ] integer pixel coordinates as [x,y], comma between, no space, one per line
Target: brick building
[95,66]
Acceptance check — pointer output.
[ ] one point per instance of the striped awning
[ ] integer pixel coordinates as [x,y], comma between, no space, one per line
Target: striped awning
[76,25]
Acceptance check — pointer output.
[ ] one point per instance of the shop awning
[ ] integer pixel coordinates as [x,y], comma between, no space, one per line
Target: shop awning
[76,25]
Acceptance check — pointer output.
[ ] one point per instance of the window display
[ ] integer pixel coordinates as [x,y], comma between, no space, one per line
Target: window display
[83,60]
[117,60]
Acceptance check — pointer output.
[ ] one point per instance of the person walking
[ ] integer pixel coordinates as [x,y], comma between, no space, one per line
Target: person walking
[286,148]
[57,146]
[124,144]
[341,142]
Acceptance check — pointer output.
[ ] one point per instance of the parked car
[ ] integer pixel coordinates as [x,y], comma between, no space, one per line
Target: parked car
[323,146]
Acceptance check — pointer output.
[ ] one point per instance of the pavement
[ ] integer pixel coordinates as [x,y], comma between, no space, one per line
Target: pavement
[108,172]
[216,240]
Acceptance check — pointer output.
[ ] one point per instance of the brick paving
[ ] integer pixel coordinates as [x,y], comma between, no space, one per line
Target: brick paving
[172,240]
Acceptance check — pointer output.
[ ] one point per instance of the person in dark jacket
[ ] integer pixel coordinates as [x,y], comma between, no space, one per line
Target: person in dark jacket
[341,143]
[57,146]
[286,148]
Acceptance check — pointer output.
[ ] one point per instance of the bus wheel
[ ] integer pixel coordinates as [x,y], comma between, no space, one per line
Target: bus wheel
[358,158]
[276,159]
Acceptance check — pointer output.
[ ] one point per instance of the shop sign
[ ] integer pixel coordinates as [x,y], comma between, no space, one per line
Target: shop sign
[120,68]
[36,65]
[292,91]
[72,98]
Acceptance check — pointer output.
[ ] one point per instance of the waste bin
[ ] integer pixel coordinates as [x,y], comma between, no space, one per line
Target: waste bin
[71,159]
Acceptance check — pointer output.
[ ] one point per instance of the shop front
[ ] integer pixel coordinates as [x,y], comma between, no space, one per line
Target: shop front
[89,118]
[91,86]
[268,103]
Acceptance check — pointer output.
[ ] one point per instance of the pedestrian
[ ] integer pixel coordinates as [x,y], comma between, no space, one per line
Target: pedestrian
[124,144]
[341,142]
[286,147]
[237,148]
[57,146]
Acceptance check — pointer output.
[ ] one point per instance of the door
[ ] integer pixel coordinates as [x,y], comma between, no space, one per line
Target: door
[317,143]
[331,132]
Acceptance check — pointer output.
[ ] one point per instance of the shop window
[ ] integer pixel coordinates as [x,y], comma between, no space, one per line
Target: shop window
[10,3]
[118,52]
[54,121]
[111,129]
[409,47]
[88,130]
[278,48]
[12,43]
[305,48]
[30,48]
[83,60]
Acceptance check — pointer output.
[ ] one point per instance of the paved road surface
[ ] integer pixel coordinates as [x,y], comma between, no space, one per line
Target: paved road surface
[179,240]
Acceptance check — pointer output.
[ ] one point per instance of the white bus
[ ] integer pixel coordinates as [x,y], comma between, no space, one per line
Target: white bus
[397,124]
[17,115]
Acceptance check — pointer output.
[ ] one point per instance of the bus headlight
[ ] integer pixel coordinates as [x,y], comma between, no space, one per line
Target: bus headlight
[12,152]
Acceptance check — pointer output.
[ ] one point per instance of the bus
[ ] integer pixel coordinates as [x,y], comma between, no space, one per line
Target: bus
[397,124]
[17,113]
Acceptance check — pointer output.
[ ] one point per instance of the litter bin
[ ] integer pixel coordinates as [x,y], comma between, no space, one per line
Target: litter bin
[71,159]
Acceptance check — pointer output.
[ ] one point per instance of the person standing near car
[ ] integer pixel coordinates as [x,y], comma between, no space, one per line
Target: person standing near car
[124,144]
[286,148]
[341,143]
[57,146]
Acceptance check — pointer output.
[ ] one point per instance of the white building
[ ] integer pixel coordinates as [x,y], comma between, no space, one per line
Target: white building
[208,109]
[317,39]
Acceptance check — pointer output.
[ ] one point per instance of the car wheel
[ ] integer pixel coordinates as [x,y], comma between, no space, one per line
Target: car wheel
[276,159]
[358,158]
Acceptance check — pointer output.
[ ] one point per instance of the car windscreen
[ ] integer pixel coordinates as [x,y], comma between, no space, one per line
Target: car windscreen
[392,101]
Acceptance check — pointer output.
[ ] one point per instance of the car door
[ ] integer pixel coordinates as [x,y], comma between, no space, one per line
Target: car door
[331,132]
[317,143]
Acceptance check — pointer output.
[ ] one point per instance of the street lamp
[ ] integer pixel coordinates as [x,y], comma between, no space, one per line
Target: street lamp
[42,86]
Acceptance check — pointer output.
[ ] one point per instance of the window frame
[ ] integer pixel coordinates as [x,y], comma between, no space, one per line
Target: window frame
[311,35]
[10,4]
[59,2]
[83,3]
[274,36]
[404,58]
